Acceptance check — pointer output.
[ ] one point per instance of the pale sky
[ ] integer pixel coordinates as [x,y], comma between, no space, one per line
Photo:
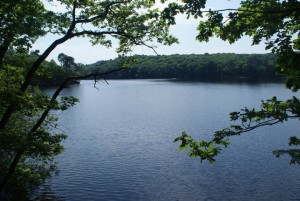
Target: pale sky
[184,30]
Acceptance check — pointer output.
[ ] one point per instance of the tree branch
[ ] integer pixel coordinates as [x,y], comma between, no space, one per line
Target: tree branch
[253,11]
[39,122]
[132,38]
[103,15]
[95,33]
[74,11]
[61,87]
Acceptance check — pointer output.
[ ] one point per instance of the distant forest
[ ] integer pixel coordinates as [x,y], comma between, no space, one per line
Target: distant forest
[205,67]
[193,67]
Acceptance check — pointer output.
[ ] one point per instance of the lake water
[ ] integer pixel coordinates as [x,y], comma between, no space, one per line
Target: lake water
[120,144]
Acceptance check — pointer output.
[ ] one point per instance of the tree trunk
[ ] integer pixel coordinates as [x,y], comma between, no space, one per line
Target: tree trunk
[10,171]
[28,78]
[3,50]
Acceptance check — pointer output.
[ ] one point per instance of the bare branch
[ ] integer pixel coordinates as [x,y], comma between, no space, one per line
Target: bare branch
[104,80]
[149,46]
[95,82]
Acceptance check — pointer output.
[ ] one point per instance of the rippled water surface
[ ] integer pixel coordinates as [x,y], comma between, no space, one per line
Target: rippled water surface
[120,144]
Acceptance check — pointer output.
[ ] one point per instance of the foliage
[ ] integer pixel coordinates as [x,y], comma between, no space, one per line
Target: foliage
[204,149]
[272,111]
[23,22]
[276,23]
[28,135]
[54,74]
[39,146]
[194,67]
[19,26]
[68,63]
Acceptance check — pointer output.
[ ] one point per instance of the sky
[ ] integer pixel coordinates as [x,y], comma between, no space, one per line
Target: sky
[185,30]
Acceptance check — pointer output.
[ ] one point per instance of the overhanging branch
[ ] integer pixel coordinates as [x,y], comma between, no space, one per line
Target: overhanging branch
[61,87]
[254,11]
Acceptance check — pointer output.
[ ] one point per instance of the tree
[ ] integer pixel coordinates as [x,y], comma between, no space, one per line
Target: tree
[132,23]
[68,63]
[22,22]
[197,67]
[33,166]
[277,24]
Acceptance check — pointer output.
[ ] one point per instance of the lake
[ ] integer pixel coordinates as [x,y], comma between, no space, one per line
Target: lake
[120,144]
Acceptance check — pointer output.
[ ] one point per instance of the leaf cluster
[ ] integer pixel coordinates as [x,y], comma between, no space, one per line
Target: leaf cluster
[272,111]
[22,22]
[276,23]
[203,149]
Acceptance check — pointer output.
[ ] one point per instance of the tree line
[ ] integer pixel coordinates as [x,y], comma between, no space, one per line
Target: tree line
[208,67]
[193,67]
[50,73]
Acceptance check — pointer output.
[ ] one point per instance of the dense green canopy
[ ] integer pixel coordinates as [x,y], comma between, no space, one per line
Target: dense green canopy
[194,67]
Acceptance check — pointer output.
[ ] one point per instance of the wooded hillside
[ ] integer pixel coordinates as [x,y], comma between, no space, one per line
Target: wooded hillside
[193,67]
